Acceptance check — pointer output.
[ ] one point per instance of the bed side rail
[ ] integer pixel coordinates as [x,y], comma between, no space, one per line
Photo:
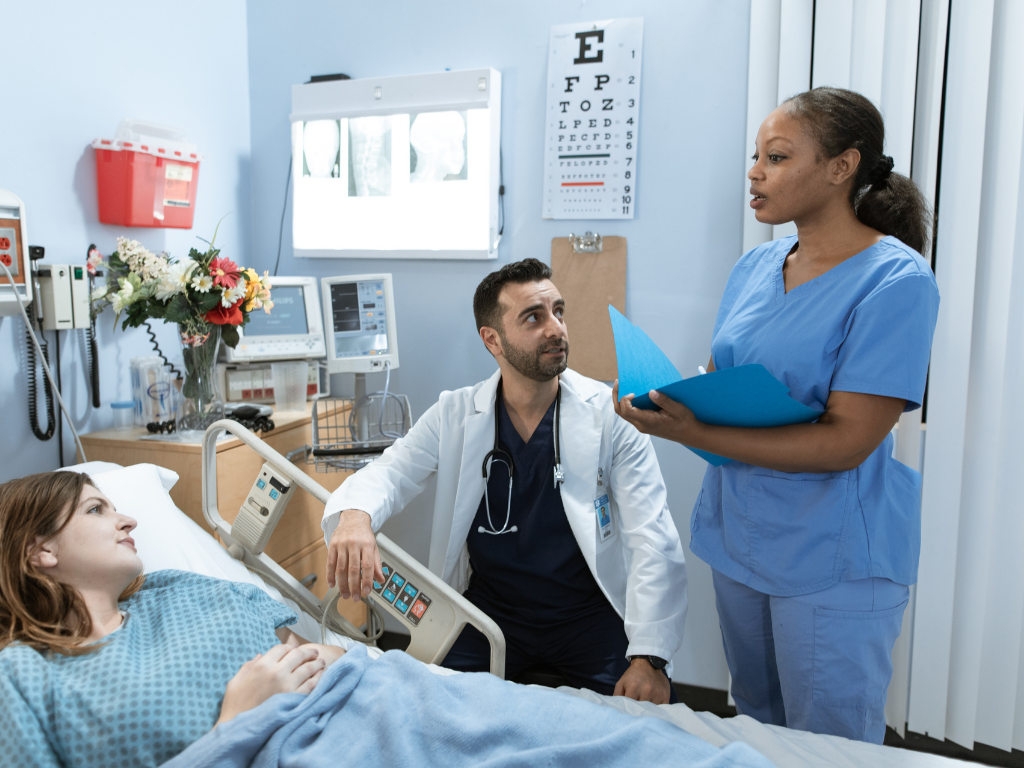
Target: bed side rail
[432,611]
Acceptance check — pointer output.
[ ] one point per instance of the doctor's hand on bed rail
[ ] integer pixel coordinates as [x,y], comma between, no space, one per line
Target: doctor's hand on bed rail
[353,561]
[284,668]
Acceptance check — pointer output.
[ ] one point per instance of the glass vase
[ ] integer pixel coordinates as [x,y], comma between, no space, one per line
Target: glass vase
[199,406]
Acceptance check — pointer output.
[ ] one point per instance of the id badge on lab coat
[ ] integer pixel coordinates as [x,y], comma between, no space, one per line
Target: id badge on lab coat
[604,516]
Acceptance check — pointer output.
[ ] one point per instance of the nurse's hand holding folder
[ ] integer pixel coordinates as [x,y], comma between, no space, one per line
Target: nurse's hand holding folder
[851,428]
[810,526]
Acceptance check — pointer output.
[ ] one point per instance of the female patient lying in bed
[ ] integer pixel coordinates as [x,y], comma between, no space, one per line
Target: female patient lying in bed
[102,667]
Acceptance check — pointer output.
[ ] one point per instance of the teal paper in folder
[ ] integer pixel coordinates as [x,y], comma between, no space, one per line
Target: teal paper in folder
[745,396]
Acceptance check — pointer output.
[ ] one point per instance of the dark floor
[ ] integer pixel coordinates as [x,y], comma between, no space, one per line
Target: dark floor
[715,701]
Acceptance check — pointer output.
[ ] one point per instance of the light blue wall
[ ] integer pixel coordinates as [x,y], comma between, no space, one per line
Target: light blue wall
[682,244]
[208,67]
[71,72]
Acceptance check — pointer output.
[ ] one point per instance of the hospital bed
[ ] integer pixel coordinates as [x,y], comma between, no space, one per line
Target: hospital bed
[167,538]
[432,611]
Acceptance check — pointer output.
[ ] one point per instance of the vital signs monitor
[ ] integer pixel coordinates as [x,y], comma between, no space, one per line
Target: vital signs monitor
[293,329]
[359,315]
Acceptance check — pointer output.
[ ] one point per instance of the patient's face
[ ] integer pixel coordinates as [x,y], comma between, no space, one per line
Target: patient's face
[95,549]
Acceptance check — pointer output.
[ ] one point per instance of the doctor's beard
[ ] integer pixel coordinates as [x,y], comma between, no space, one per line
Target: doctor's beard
[531,363]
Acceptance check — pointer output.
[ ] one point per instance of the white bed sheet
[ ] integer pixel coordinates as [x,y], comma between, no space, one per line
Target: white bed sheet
[785,747]
[167,538]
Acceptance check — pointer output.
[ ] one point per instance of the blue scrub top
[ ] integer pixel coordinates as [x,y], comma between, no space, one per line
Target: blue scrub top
[864,326]
[536,575]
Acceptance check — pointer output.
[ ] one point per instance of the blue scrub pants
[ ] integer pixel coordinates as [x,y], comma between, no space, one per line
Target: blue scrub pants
[819,662]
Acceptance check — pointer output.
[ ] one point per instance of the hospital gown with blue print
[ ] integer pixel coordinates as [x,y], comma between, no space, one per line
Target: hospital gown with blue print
[152,688]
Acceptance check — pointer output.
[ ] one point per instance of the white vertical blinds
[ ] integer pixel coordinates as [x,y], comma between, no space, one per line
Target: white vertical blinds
[796,36]
[762,98]
[945,75]
[871,46]
[956,241]
[966,677]
[927,119]
[781,33]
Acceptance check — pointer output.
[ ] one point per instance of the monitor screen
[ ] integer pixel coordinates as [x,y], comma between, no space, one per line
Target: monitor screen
[359,322]
[288,317]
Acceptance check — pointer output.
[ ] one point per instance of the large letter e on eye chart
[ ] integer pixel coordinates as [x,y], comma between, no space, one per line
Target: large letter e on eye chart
[585,46]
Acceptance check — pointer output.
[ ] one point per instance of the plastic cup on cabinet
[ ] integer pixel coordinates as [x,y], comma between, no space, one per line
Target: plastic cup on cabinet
[290,380]
[124,414]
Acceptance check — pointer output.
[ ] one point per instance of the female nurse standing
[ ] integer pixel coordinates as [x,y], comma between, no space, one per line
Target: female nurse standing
[813,531]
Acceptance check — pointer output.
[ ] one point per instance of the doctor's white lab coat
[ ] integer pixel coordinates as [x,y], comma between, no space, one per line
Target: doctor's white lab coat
[640,567]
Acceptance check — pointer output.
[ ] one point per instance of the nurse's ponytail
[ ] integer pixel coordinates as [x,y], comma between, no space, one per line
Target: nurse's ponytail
[889,202]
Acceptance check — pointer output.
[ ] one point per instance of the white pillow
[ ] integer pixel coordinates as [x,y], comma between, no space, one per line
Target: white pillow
[168,538]
[92,467]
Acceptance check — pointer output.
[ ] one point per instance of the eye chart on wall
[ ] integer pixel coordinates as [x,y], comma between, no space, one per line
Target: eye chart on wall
[592,119]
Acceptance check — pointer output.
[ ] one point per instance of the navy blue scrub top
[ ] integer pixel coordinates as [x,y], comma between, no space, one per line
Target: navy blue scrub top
[537,574]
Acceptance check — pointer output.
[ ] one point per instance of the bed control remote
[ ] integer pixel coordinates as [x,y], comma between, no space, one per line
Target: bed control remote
[261,509]
[406,598]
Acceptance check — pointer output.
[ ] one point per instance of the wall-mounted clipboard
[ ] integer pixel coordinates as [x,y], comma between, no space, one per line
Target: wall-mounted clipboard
[590,273]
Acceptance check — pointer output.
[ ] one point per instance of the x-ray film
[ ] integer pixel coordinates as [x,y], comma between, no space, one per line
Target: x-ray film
[437,147]
[321,144]
[369,151]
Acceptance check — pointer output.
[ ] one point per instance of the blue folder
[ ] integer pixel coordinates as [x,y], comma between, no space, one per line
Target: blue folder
[744,396]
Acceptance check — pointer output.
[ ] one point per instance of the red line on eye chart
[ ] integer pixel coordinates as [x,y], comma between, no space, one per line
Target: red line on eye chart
[582,183]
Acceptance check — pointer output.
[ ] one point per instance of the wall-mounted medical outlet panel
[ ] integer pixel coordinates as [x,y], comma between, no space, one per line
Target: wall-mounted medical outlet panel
[64,294]
[80,296]
[55,296]
[13,254]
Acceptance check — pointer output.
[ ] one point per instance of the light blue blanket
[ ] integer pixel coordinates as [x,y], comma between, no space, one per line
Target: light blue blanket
[394,712]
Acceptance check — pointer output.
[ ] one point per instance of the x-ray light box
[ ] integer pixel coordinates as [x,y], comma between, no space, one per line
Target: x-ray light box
[402,167]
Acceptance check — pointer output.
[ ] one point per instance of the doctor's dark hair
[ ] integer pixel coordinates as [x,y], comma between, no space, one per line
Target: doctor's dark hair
[35,608]
[486,308]
[839,120]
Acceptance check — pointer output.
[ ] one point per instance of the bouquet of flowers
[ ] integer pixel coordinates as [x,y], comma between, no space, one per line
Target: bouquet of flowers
[200,292]
[207,295]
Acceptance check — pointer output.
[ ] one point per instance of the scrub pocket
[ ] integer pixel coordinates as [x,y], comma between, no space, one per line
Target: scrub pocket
[796,525]
[853,655]
[852,669]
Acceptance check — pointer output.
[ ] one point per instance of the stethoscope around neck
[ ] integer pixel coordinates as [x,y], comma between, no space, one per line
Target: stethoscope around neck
[500,455]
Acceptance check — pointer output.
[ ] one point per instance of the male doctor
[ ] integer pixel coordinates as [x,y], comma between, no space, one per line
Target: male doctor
[577,559]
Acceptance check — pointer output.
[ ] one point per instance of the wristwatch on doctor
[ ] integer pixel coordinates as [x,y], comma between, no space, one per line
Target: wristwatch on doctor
[654,661]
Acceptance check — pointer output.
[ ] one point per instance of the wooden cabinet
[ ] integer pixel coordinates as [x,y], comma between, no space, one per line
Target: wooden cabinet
[297,544]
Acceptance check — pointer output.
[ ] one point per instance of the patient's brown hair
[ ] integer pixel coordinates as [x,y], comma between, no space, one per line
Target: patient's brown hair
[35,608]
